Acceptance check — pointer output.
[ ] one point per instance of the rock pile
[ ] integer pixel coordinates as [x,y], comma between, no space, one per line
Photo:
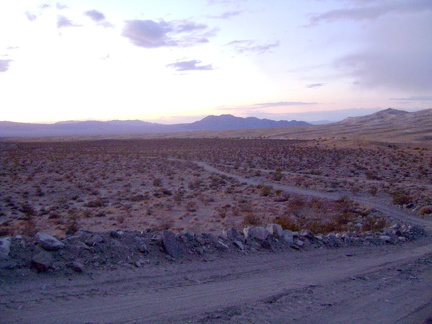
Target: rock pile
[85,251]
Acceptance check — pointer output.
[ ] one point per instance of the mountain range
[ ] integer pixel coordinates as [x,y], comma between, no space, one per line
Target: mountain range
[134,127]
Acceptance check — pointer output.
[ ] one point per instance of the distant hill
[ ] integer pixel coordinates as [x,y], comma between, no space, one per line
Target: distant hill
[135,127]
[230,122]
[389,125]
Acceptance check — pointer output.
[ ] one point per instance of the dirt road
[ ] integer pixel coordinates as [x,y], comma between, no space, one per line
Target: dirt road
[378,204]
[383,284]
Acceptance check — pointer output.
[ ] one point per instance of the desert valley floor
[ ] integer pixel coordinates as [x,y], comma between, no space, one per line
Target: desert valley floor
[342,202]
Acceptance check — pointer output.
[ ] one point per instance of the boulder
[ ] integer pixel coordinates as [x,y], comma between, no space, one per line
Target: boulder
[288,236]
[231,234]
[42,261]
[48,242]
[306,233]
[257,233]
[275,230]
[94,239]
[4,247]
[171,245]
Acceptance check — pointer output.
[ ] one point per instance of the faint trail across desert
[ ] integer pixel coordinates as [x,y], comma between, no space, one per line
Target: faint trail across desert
[389,210]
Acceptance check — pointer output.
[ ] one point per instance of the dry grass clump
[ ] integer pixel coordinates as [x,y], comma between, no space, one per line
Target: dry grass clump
[321,216]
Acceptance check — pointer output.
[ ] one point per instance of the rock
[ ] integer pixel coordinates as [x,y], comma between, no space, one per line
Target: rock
[171,245]
[4,248]
[257,233]
[299,243]
[239,245]
[288,236]
[231,234]
[275,230]
[385,238]
[402,239]
[42,261]
[94,239]
[116,234]
[306,233]
[209,238]
[221,246]
[346,238]
[143,248]
[76,266]
[48,242]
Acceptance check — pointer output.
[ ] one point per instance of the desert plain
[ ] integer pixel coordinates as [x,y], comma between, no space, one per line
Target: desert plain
[363,203]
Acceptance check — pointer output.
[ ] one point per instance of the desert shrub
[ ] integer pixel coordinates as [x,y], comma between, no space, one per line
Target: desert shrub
[425,210]
[401,198]
[265,190]
[251,219]
[374,191]
[98,202]
[157,182]
[374,224]
[288,223]
[277,175]
[27,210]
[165,225]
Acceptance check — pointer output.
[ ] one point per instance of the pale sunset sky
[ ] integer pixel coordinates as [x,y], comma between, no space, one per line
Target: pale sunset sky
[174,61]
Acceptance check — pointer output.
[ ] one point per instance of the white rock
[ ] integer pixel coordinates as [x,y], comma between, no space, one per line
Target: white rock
[275,230]
[258,233]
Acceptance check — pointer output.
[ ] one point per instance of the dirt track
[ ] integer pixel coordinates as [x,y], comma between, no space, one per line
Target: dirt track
[385,284]
[364,284]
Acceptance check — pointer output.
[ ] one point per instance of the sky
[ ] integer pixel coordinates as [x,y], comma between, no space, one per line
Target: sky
[172,61]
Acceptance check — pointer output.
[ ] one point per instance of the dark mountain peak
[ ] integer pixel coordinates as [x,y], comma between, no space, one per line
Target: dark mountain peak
[391,111]
[230,122]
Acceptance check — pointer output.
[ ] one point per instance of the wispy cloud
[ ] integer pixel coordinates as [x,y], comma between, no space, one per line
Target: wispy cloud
[95,15]
[314,85]
[192,65]
[245,46]
[152,34]
[414,98]
[63,21]
[372,12]
[283,103]
[4,65]
[226,15]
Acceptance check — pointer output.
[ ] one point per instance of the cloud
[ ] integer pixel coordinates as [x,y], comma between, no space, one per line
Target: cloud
[226,15]
[59,6]
[372,12]
[4,65]
[63,21]
[395,54]
[192,65]
[30,16]
[95,15]
[151,34]
[314,85]
[414,98]
[245,46]
[283,103]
